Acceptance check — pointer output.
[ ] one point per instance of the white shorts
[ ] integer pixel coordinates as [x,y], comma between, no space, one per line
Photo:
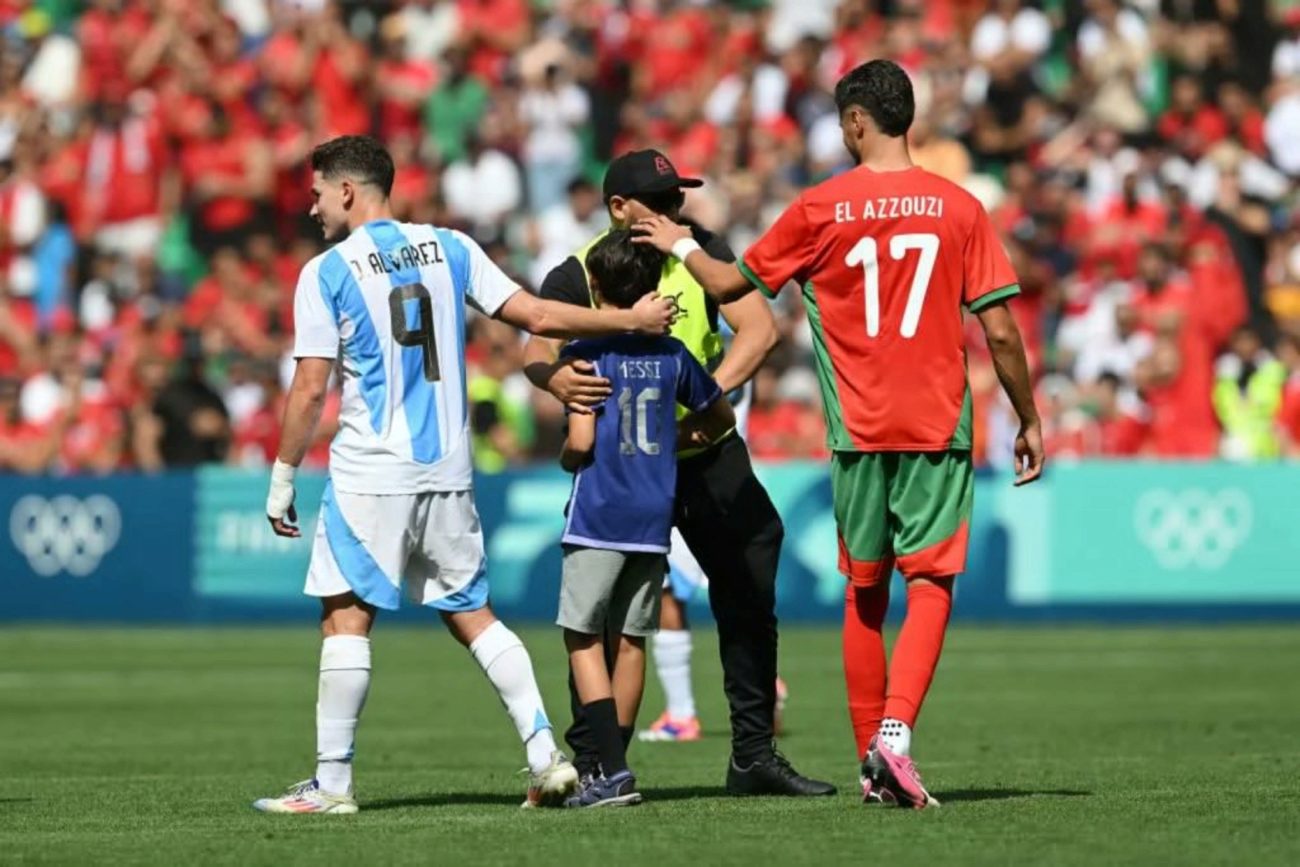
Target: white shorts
[685,576]
[370,545]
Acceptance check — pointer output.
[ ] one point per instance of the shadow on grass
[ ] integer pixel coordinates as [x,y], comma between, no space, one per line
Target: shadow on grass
[4,801]
[456,799]
[959,795]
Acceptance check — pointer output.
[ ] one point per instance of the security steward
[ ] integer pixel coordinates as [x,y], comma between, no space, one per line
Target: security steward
[722,511]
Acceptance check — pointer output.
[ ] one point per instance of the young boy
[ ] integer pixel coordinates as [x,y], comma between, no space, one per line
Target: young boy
[623,457]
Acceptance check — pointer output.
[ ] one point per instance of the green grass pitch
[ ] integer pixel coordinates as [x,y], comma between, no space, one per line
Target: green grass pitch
[1047,746]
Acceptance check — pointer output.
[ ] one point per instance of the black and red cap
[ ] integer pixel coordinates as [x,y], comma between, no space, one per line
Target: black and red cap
[644,173]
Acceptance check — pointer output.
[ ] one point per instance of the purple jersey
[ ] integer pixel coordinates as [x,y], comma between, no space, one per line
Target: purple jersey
[623,496]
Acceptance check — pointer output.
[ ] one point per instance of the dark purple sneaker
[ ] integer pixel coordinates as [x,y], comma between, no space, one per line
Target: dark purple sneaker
[888,772]
[616,791]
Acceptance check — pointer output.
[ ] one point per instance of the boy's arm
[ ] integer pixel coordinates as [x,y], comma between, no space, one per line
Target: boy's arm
[579,443]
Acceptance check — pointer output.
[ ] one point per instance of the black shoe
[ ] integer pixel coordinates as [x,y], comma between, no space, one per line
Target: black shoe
[773,776]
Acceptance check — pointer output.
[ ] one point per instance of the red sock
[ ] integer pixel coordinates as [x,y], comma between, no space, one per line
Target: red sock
[864,659]
[916,653]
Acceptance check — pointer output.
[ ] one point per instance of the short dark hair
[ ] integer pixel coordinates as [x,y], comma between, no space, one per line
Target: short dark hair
[882,89]
[624,271]
[358,156]
[1111,379]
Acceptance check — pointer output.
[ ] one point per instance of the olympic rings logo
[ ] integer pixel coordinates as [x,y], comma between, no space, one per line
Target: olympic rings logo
[1193,527]
[65,533]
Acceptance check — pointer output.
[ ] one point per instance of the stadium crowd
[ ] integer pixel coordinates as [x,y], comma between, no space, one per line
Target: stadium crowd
[1140,160]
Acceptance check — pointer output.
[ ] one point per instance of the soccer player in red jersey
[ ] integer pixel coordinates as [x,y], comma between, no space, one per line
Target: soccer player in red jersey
[887,256]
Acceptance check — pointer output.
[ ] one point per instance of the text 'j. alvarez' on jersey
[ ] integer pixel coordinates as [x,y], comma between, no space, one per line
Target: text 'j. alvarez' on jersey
[389,303]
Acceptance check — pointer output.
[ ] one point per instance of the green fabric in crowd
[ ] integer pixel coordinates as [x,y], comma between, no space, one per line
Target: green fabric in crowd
[451,115]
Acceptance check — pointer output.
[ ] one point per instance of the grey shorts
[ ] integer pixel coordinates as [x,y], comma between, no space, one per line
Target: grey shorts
[605,591]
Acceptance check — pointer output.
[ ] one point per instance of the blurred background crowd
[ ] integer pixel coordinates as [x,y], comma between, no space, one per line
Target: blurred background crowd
[1140,160]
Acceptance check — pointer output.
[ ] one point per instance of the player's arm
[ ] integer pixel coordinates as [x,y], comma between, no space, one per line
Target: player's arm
[497,295]
[784,254]
[315,346]
[651,315]
[302,411]
[989,281]
[1008,351]
[572,381]
[580,441]
[722,280]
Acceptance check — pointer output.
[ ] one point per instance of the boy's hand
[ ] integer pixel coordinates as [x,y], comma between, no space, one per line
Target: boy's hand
[660,232]
[654,314]
[691,434]
[575,384]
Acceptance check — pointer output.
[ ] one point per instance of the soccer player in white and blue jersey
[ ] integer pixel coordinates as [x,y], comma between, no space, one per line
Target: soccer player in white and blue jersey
[387,303]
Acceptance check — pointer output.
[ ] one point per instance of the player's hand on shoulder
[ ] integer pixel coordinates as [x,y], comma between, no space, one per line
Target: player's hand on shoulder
[654,313]
[280,510]
[1030,454]
[575,384]
[660,232]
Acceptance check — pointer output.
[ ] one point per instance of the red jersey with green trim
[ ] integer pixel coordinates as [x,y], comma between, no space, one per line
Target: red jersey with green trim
[887,260]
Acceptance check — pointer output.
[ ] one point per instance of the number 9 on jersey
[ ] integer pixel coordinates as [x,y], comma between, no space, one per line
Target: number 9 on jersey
[421,336]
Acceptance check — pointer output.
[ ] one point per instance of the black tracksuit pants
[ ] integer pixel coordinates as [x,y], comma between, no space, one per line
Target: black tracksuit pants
[734,531]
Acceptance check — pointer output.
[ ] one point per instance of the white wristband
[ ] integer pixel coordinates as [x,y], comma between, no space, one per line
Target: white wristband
[684,247]
[280,497]
[282,472]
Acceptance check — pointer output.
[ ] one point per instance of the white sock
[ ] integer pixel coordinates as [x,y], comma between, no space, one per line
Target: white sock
[505,661]
[897,735]
[672,653]
[344,682]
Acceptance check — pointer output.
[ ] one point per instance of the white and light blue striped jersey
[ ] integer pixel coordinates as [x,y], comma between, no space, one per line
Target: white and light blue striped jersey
[389,303]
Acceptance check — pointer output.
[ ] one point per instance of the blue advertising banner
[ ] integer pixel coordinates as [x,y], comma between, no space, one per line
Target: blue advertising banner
[1092,541]
[1188,535]
[105,549]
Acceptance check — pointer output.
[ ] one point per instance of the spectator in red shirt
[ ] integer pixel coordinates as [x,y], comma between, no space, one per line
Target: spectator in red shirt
[234,306]
[785,421]
[257,436]
[413,183]
[677,50]
[339,68]
[228,176]
[1179,379]
[402,83]
[25,447]
[1190,124]
[233,76]
[17,335]
[1120,431]
[126,172]
[1126,224]
[290,143]
[1245,122]
[495,30]
[108,33]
